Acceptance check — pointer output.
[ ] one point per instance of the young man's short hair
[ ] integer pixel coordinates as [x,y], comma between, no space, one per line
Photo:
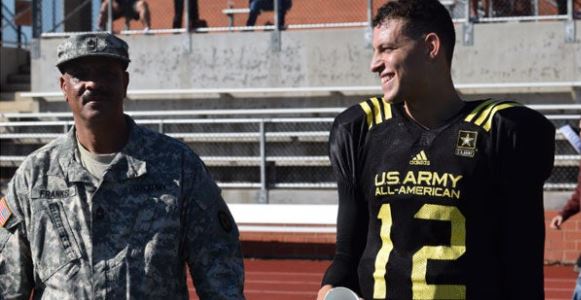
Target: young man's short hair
[423,16]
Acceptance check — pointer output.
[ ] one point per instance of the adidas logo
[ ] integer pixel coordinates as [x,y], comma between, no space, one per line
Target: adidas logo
[420,159]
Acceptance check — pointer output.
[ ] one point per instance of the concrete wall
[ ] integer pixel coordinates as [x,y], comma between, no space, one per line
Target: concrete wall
[519,52]
[507,52]
[10,60]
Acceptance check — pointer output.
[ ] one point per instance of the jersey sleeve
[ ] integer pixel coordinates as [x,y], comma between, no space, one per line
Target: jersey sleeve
[211,245]
[525,142]
[16,268]
[352,218]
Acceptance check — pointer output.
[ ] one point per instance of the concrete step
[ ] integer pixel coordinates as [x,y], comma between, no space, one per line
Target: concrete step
[25,105]
[19,78]
[15,87]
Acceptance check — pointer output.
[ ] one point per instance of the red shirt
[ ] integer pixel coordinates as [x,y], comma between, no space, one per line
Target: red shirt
[572,206]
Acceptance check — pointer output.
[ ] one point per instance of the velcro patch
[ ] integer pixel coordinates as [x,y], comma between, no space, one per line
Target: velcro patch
[5,211]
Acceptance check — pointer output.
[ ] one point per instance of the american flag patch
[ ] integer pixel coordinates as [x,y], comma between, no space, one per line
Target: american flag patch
[5,212]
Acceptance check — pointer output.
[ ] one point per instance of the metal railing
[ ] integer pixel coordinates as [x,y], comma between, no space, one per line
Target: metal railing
[246,151]
[235,15]
[9,21]
[465,88]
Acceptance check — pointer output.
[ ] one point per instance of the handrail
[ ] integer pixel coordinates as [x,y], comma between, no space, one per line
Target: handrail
[273,111]
[177,121]
[283,159]
[12,24]
[209,112]
[315,89]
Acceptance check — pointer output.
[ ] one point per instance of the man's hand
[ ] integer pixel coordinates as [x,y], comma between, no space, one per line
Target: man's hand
[323,291]
[556,222]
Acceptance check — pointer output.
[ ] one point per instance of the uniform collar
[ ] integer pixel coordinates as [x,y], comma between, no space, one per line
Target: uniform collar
[129,163]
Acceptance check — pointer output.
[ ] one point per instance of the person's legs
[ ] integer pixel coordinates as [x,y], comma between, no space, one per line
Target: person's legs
[577,291]
[194,13]
[142,9]
[254,12]
[474,8]
[104,14]
[283,7]
[501,8]
[522,8]
[178,7]
[486,8]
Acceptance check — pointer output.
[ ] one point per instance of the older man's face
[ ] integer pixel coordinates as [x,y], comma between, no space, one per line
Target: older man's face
[95,88]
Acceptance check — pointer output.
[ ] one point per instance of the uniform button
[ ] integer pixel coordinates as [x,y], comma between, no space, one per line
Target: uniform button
[100,213]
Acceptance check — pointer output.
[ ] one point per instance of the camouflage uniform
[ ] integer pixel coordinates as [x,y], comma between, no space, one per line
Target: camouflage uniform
[71,236]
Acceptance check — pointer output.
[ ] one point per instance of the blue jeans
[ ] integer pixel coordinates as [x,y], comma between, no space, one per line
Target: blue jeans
[577,292]
[268,5]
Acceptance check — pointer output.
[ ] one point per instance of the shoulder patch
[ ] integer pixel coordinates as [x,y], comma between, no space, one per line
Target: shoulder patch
[376,111]
[484,113]
[5,211]
[224,220]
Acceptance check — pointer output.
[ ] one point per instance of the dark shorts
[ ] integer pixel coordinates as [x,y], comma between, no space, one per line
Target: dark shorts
[127,9]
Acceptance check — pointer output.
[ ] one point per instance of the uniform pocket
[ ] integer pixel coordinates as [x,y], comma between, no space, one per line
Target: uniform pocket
[54,245]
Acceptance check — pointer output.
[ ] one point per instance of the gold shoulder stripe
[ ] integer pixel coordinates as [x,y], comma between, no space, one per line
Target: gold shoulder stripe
[373,109]
[477,110]
[376,110]
[490,110]
[386,109]
[484,115]
[488,125]
[368,113]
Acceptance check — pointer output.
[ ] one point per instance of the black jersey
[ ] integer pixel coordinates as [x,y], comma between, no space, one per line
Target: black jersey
[454,212]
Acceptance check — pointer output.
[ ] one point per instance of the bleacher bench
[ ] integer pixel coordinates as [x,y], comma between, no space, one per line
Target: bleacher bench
[230,12]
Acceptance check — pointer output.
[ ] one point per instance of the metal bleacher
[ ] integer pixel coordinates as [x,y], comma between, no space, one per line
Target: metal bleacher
[253,148]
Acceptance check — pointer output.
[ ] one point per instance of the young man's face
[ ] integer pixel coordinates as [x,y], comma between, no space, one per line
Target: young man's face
[95,88]
[398,60]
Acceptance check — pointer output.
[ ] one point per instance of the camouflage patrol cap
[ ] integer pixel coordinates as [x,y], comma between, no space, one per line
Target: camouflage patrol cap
[92,44]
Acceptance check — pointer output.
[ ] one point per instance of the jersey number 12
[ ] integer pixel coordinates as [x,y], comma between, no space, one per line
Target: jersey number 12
[420,288]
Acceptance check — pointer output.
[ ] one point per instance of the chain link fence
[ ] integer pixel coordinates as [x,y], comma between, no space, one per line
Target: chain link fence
[521,8]
[158,16]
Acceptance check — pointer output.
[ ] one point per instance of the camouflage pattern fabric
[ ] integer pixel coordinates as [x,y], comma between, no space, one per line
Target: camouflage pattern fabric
[126,237]
[92,44]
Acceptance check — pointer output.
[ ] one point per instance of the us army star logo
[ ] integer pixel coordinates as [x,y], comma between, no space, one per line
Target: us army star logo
[466,140]
[466,145]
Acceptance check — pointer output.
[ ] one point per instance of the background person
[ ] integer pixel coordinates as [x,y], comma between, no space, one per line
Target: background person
[256,6]
[474,9]
[130,9]
[571,207]
[194,15]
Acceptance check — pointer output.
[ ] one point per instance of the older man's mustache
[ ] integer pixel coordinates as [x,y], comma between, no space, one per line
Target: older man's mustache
[89,95]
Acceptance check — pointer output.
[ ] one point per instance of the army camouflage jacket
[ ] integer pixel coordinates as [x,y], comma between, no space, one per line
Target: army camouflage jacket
[128,236]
